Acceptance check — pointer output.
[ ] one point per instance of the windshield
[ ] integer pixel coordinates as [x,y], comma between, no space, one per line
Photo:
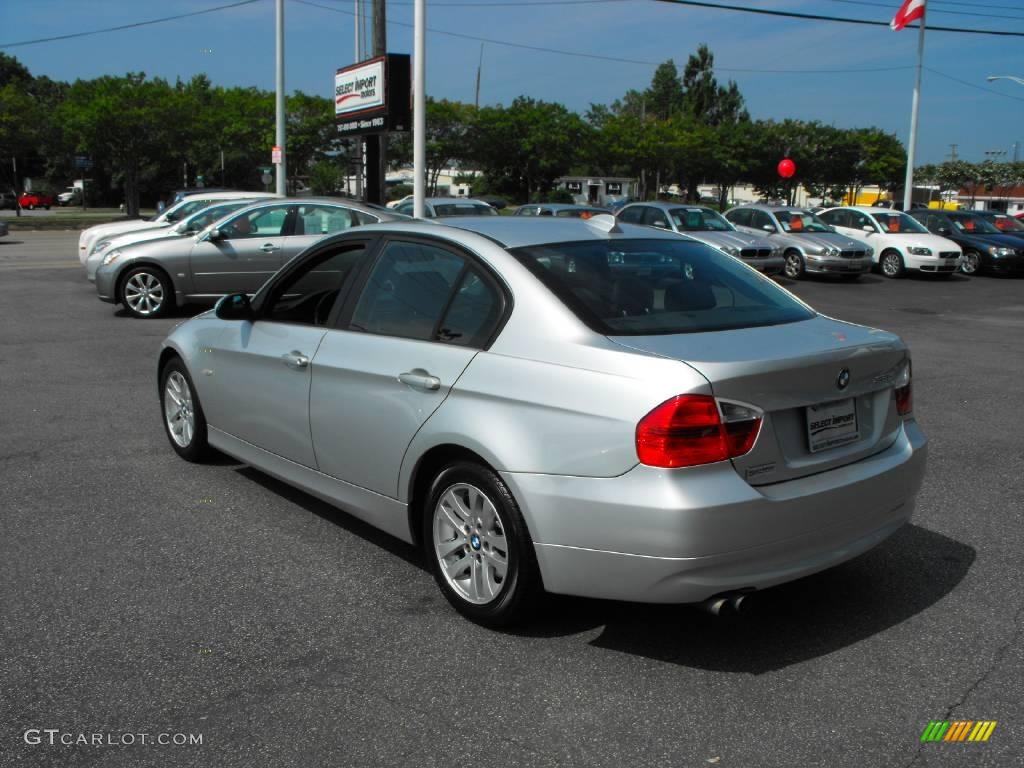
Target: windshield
[1005,223]
[798,222]
[655,287]
[896,223]
[974,225]
[699,220]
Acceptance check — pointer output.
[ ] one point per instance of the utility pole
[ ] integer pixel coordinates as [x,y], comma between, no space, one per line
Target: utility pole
[419,109]
[376,144]
[479,67]
[282,166]
[953,156]
[358,154]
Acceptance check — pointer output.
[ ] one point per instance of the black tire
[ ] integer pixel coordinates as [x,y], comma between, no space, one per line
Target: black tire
[891,263]
[521,585]
[195,448]
[794,267]
[147,278]
[971,263]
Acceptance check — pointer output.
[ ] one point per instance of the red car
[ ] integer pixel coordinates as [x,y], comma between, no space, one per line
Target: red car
[32,200]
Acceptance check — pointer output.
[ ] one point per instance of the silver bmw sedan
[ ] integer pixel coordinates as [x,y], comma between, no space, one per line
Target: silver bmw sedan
[578,406]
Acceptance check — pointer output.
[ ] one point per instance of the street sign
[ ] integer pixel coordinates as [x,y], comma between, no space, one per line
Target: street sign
[82,161]
[275,155]
[266,178]
[267,174]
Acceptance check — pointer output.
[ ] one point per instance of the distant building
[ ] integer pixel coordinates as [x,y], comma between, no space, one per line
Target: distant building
[597,190]
[1007,199]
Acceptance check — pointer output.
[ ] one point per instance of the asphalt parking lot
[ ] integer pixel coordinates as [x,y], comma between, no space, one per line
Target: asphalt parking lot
[142,594]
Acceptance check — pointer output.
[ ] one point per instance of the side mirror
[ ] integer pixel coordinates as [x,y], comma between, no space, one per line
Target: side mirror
[234,306]
[768,228]
[944,231]
[214,235]
[868,228]
[661,223]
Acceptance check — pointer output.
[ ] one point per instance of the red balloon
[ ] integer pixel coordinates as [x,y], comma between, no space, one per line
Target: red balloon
[786,168]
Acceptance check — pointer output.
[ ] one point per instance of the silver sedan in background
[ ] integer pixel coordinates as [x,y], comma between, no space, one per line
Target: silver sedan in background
[707,226]
[568,405]
[237,253]
[191,225]
[808,244]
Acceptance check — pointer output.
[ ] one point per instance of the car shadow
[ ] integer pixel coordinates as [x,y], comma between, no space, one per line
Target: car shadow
[784,625]
[337,516]
[777,627]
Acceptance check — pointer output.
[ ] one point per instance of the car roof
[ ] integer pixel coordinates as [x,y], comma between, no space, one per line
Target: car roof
[665,205]
[518,232]
[344,202]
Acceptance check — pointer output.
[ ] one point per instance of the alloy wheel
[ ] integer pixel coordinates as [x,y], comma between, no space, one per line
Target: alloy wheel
[890,265]
[794,266]
[144,293]
[470,544]
[971,263]
[178,409]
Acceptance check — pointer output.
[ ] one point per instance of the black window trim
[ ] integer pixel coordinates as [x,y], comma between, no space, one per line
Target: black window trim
[343,319]
[338,242]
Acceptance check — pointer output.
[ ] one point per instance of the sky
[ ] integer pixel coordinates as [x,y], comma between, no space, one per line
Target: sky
[840,74]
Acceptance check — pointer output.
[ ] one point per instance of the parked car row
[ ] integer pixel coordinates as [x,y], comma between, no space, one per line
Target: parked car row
[223,243]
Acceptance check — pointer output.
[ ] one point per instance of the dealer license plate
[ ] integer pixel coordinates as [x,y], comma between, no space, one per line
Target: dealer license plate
[830,425]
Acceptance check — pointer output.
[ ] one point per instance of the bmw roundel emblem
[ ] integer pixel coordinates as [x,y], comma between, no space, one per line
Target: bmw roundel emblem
[474,541]
[843,379]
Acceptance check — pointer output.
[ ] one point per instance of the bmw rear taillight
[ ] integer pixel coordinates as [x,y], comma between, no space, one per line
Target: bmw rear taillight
[903,392]
[696,429]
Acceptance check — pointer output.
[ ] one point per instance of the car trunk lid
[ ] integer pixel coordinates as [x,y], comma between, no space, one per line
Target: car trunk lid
[825,387]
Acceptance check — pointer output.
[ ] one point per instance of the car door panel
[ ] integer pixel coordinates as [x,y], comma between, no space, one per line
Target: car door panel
[231,266]
[362,415]
[263,387]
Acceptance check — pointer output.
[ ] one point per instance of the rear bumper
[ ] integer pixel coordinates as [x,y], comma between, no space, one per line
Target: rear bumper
[679,536]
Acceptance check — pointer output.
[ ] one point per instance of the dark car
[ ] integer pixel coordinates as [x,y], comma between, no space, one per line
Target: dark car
[986,248]
[8,200]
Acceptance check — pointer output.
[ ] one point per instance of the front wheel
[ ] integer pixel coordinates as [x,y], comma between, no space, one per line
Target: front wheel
[184,420]
[146,292]
[971,263]
[892,265]
[478,547]
[794,268]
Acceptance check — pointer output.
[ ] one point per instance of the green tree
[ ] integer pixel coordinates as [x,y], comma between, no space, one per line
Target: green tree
[530,143]
[704,99]
[123,121]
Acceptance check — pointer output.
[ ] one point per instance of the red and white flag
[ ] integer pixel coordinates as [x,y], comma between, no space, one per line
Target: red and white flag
[911,10]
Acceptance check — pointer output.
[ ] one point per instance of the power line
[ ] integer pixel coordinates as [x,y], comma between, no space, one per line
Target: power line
[838,19]
[931,10]
[127,26]
[972,85]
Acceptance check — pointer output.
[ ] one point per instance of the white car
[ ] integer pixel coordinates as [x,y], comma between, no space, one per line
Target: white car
[172,215]
[900,242]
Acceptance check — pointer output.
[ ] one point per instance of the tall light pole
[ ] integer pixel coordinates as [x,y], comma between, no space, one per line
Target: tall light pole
[282,168]
[419,109]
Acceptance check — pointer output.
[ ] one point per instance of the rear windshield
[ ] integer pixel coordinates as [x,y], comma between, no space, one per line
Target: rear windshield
[463,209]
[653,287]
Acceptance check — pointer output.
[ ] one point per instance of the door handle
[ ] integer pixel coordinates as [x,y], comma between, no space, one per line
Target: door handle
[269,248]
[420,379]
[296,360]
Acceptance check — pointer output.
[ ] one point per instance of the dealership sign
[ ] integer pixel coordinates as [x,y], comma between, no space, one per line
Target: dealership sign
[373,96]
